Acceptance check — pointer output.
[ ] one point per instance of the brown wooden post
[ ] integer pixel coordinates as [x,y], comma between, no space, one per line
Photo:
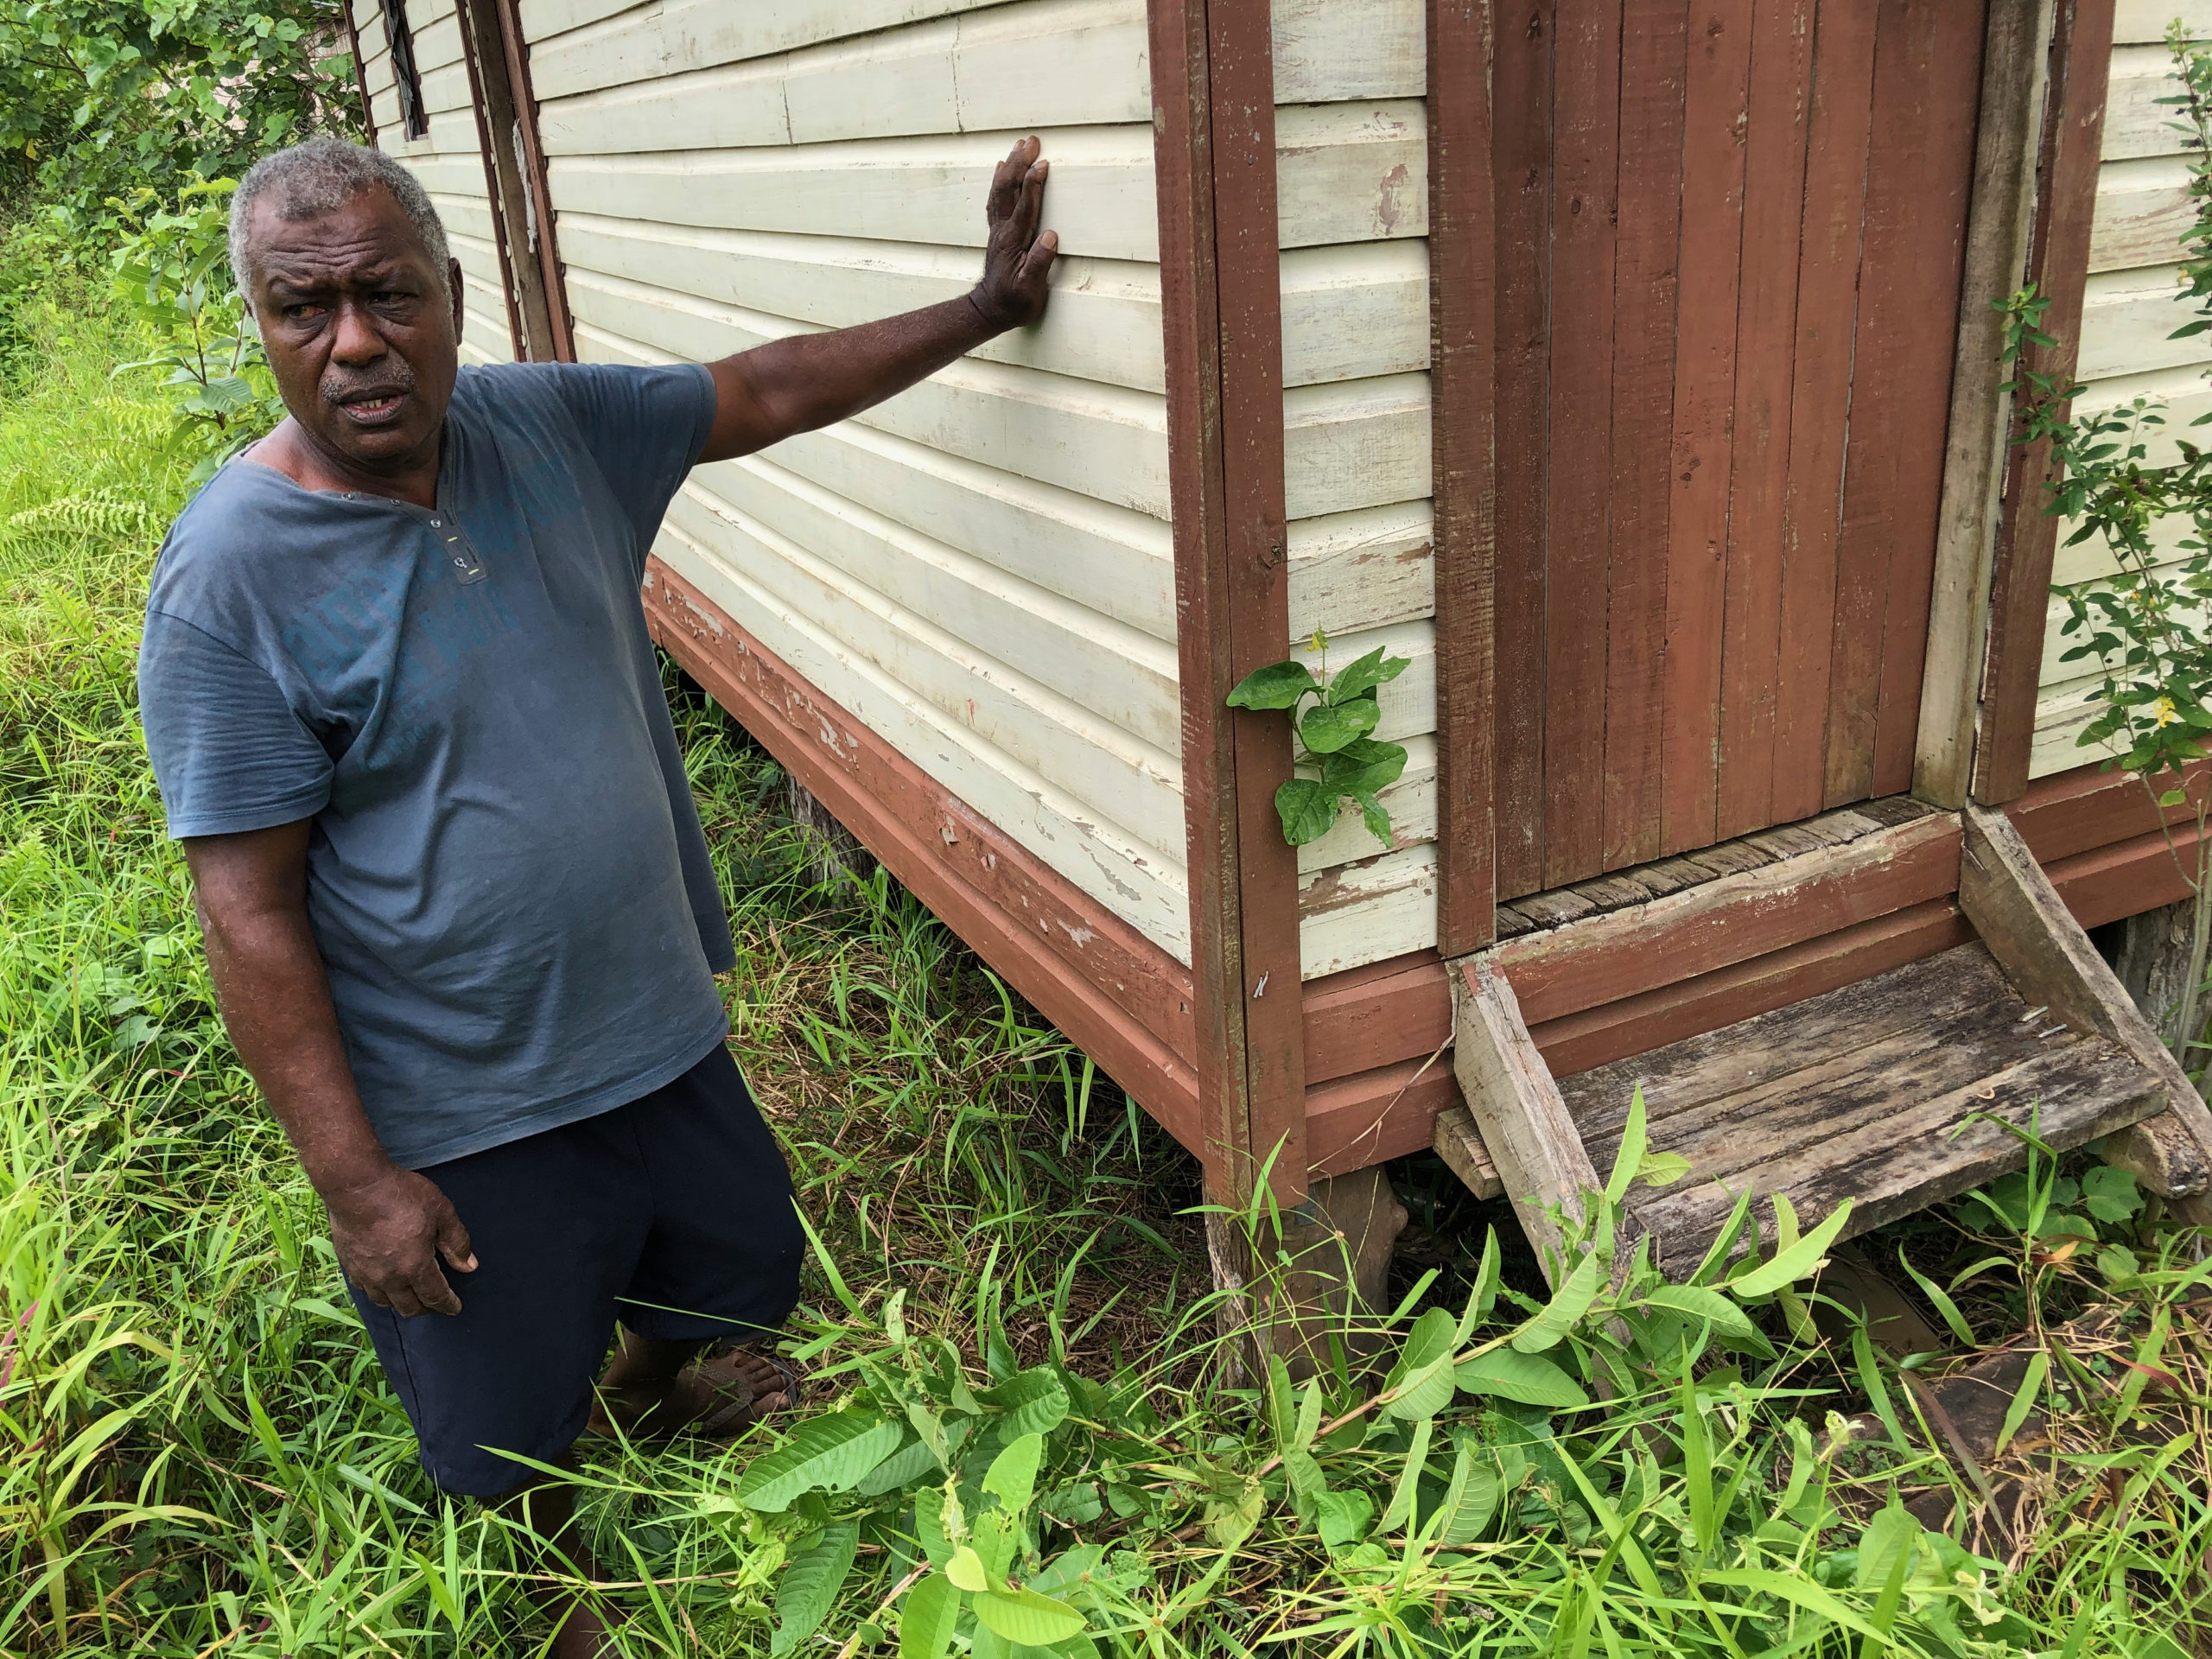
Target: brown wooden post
[538,218]
[2059,263]
[1213,103]
[1462,366]
[2007,145]
[498,124]
[360,73]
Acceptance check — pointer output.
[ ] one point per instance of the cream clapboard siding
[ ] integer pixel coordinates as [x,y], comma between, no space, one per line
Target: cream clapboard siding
[1350,76]
[448,159]
[2128,311]
[982,569]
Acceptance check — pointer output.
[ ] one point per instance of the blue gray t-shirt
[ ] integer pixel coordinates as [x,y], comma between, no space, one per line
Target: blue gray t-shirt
[506,876]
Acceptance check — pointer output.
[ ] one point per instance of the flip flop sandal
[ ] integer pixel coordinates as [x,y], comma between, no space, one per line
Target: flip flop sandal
[726,1409]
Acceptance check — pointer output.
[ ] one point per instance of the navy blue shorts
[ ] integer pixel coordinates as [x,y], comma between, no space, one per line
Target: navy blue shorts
[672,1213]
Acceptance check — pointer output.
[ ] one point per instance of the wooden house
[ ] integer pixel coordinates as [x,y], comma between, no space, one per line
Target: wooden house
[1627,365]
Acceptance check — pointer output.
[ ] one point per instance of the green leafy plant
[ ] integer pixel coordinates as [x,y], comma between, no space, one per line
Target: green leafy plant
[1335,760]
[2144,629]
[171,274]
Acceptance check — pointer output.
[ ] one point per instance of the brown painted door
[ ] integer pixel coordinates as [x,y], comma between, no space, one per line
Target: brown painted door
[1729,238]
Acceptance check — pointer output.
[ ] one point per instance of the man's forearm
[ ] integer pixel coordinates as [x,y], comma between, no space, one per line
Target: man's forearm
[276,1000]
[806,381]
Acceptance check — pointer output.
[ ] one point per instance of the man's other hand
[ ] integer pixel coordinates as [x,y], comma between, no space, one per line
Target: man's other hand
[389,1234]
[1016,258]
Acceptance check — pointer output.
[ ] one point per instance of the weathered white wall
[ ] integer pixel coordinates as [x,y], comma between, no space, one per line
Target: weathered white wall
[448,159]
[2131,307]
[981,568]
[1350,76]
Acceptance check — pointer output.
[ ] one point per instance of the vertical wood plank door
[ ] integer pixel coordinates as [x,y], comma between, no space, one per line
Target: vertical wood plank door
[1729,236]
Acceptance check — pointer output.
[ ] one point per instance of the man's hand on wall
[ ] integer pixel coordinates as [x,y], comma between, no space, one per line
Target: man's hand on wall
[1016,259]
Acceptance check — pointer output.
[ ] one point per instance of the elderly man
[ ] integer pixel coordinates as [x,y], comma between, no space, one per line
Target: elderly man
[458,908]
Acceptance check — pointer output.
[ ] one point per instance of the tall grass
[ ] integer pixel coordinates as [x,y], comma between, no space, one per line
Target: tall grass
[201,1457]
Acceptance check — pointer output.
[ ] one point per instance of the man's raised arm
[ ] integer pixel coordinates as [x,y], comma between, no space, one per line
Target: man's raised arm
[806,381]
[389,1224]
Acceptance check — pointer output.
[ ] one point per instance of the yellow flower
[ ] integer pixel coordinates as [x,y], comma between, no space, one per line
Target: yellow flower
[2164,709]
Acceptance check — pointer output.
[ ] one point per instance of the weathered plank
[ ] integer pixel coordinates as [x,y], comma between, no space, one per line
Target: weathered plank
[2043,951]
[1355,443]
[1532,1141]
[1716,104]
[1585,180]
[1654,44]
[1732,920]
[1460,1144]
[1774,177]
[1411,803]
[1377,908]
[1362,570]
[1351,172]
[1328,51]
[2005,148]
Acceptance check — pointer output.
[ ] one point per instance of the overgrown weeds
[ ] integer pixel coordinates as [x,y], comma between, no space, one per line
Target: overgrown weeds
[1022,1437]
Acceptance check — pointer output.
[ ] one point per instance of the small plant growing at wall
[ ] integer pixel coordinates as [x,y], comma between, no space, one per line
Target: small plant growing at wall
[1335,760]
[2143,628]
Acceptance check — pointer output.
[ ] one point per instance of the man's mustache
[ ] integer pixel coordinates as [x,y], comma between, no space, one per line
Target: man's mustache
[390,382]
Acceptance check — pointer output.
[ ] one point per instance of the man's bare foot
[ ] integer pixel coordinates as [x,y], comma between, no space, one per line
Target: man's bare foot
[657,1388]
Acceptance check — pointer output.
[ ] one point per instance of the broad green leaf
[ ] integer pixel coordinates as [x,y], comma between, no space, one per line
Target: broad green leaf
[1308,809]
[1422,1376]
[1363,674]
[1309,1416]
[1013,1473]
[1327,727]
[929,1525]
[1663,1168]
[1797,1261]
[1282,1411]
[1279,685]
[1569,1304]
[1892,1531]
[1035,1401]
[1341,1518]
[829,1453]
[930,1612]
[1526,1378]
[1304,1477]
[1692,1301]
[902,1468]
[1484,1296]
[1629,1157]
[1026,1617]
[1374,815]
[1364,764]
[1471,1499]
[995,1536]
[1400,1511]
[965,1569]
[810,1586]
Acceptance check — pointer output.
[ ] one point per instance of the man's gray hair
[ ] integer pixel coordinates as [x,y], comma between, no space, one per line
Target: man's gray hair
[320,176]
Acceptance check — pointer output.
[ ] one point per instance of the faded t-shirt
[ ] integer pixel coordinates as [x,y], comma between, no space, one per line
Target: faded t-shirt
[506,876]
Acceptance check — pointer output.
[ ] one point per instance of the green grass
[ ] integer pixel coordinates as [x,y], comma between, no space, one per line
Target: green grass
[201,1457]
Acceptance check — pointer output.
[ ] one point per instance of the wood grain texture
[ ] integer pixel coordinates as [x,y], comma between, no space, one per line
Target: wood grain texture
[2020,916]
[1221,301]
[2057,262]
[1109,988]
[1462,253]
[544,234]
[1522,162]
[1716,106]
[1460,1144]
[1893,1093]
[1585,172]
[1367,911]
[1732,920]
[1356,1121]
[1774,177]
[1516,1106]
[2087,808]
[1919,167]
[2006,146]
[361,75]
[1655,45]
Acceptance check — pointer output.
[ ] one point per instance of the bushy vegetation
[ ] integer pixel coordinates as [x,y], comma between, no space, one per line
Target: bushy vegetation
[1026,1432]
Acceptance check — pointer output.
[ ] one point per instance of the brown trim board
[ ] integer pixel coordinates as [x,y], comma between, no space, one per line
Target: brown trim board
[2058,263]
[1213,125]
[467,18]
[1121,998]
[1463,359]
[516,47]
[360,75]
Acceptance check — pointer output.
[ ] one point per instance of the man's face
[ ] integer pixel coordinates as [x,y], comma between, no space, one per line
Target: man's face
[361,339]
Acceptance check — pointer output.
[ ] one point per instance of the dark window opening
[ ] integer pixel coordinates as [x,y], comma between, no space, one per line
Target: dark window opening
[404,76]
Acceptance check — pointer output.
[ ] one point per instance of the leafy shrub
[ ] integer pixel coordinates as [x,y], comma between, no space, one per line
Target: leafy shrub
[172,275]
